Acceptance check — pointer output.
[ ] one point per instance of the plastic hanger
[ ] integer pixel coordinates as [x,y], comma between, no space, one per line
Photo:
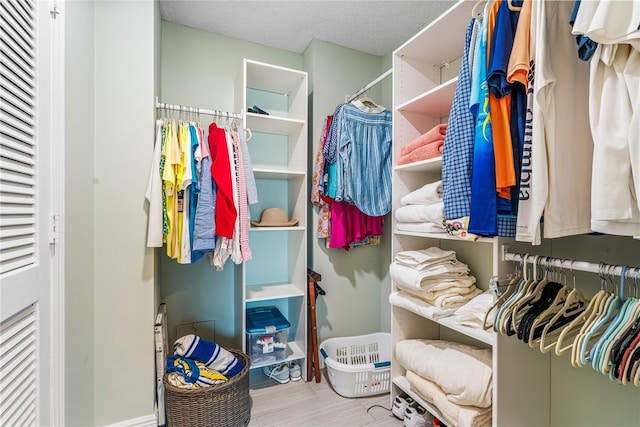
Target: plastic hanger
[569,334]
[512,7]
[600,305]
[598,351]
[574,305]
[478,10]
[500,323]
[511,286]
[368,102]
[532,295]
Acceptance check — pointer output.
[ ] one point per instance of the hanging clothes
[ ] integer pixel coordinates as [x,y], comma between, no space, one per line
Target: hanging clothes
[561,146]
[199,192]
[614,109]
[353,159]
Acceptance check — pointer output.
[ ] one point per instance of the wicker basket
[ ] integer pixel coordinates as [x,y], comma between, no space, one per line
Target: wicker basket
[223,405]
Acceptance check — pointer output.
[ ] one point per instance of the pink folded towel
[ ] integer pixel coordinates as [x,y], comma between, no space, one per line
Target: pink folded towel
[425,152]
[435,134]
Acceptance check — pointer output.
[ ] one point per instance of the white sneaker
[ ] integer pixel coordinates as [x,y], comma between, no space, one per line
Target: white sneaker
[416,416]
[295,373]
[400,405]
[279,372]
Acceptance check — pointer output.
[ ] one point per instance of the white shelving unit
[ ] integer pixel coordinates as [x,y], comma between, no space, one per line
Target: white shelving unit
[422,98]
[277,273]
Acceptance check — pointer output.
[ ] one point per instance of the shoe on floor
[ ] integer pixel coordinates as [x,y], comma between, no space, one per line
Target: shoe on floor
[400,405]
[417,416]
[279,372]
[295,373]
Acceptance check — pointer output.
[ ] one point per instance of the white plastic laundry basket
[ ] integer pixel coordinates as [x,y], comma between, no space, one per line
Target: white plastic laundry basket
[358,366]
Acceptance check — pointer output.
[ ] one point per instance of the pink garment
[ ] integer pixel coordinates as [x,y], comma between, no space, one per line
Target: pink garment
[429,151]
[436,133]
[349,224]
[243,213]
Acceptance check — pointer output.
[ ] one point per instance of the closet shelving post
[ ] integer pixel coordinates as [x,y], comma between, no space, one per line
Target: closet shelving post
[422,98]
[277,273]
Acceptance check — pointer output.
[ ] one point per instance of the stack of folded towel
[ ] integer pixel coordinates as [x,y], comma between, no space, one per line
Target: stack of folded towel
[426,146]
[434,276]
[422,210]
[200,363]
[454,377]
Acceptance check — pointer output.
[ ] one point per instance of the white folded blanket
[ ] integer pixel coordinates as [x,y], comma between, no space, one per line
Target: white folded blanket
[415,305]
[463,372]
[426,195]
[411,278]
[420,227]
[421,213]
[431,288]
[452,414]
[453,297]
[473,312]
[424,257]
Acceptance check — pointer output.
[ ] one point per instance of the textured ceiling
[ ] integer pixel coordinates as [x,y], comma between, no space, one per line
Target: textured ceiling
[375,27]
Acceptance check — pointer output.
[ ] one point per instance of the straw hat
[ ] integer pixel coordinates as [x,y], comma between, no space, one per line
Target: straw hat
[274,217]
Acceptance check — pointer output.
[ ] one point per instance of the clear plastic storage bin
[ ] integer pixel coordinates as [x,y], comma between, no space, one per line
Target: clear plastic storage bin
[267,335]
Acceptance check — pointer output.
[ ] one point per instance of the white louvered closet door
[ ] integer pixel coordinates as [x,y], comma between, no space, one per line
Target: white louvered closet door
[25,191]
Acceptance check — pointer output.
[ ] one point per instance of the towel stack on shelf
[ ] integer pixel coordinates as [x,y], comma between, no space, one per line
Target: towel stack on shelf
[426,146]
[422,210]
[434,276]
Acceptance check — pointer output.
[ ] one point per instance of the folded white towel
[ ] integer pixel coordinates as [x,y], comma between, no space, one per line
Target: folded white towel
[411,278]
[415,305]
[453,300]
[447,298]
[473,312]
[439,284]
[424,257]
[420,227]
[421,213]
[462,286]
[462,371]
[426,195]
[452,414]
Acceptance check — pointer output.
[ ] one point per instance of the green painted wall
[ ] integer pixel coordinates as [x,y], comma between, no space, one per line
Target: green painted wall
[356,281]
[79,213]
[124,272]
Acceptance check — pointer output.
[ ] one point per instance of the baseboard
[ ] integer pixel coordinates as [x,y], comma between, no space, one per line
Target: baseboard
[145,421]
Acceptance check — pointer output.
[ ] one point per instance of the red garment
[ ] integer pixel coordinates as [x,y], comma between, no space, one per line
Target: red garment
[225,214]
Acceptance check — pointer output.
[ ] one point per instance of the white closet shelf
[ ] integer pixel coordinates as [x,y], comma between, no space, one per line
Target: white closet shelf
[404,385]
[293,351]
[273,124]
[429,165]
[442,236]
[487,337]
[435,102]
[272,78]
[453,23]
[270,229]
[285,174]
[269,292]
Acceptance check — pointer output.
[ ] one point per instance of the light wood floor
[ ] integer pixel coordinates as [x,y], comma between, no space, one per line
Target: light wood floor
[311,404]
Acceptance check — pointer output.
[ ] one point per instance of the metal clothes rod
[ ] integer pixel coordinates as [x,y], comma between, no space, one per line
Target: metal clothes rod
[572,264]
[185,109]
[370,85]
